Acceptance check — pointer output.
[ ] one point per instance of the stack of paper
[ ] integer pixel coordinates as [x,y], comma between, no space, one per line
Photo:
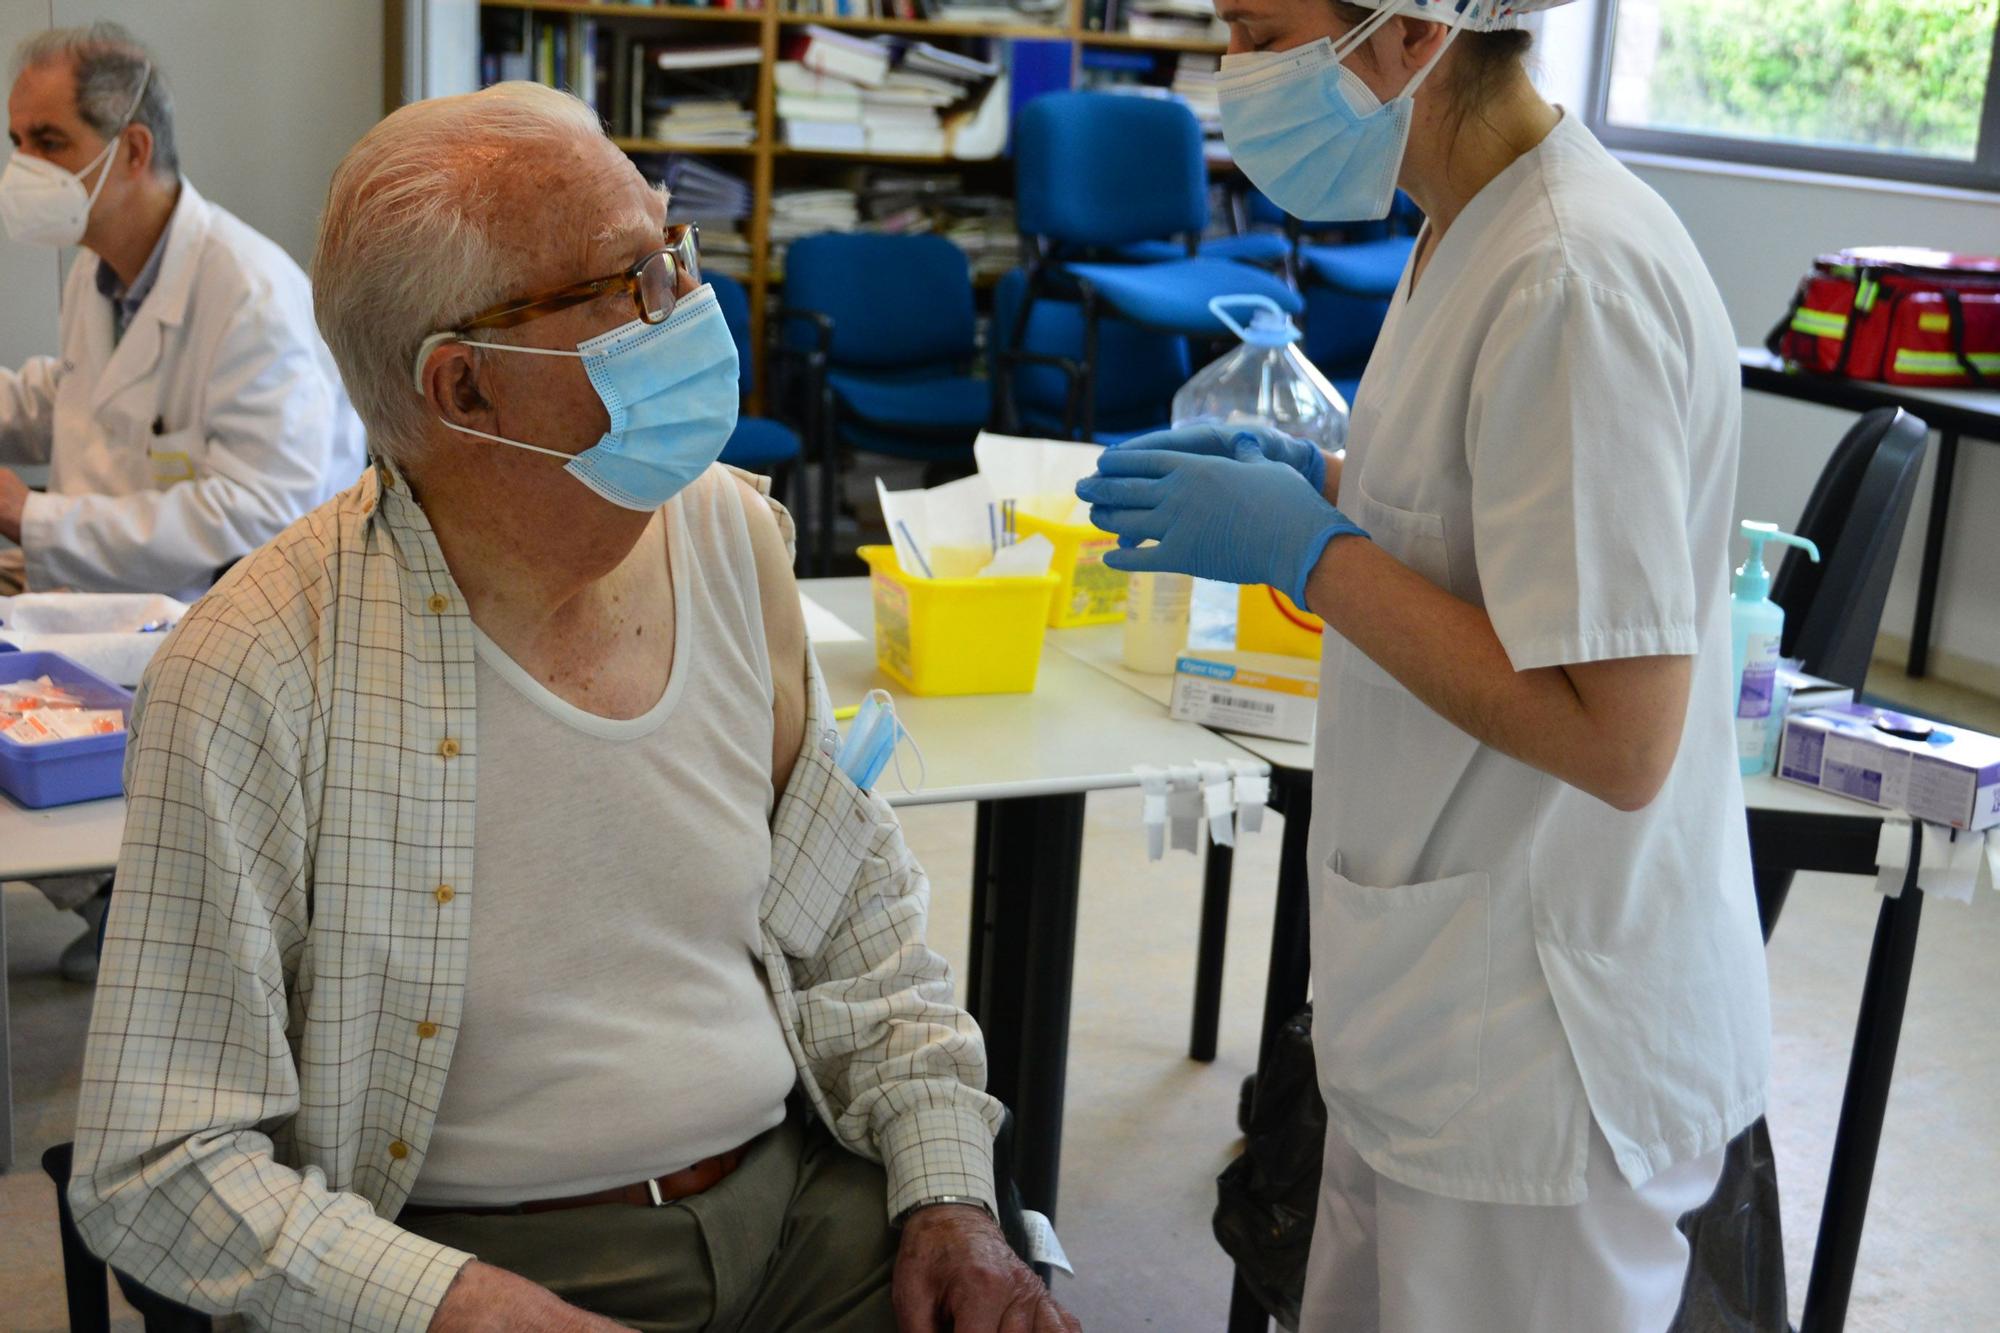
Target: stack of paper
[699,191]
[1176,20]
[709,121]
[1195,83]
[808,212]
[840,92]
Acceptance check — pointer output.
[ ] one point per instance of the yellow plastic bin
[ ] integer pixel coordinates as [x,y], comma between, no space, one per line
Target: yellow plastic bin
[1268,622]
[957,636]
[1088,591]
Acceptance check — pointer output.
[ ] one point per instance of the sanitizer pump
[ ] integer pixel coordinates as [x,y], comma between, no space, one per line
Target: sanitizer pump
[1757,625]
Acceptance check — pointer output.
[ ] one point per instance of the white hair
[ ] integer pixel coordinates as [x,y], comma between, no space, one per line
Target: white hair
[406,247]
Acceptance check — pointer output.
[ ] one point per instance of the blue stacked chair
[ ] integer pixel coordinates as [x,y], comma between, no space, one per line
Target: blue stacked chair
[891,318]
[1348,287]
[1038,369]
[759,443]
[1098,173]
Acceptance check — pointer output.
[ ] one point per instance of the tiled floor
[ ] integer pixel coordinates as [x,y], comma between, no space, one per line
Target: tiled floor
[1147,1129]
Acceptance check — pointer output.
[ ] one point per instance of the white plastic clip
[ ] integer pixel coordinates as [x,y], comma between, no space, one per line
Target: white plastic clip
[1153,809]
[1184,809]
[1253,793]
[1218,804]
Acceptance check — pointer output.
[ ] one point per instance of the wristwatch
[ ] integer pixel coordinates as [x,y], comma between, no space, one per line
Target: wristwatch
[937,1199]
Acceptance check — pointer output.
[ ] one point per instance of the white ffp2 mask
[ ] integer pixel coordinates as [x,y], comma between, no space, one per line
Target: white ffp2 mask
[43,204]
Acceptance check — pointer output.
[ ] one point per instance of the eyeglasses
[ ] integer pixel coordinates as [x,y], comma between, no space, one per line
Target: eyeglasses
[654,283]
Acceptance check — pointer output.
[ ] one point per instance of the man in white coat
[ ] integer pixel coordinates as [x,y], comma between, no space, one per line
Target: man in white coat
[193,411]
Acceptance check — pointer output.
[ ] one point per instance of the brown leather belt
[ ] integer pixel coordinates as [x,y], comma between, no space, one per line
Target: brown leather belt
[703,1176]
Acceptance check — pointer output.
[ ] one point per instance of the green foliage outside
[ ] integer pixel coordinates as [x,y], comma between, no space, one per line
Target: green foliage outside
[1900,75]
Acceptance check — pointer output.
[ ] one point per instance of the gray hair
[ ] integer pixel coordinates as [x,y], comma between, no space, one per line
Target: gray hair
[111,65]
[406,247]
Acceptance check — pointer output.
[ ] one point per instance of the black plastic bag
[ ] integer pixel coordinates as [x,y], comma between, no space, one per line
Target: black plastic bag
[1736,1267]
[1268,1197]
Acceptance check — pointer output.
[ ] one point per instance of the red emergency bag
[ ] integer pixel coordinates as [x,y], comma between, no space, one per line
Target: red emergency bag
[1898,314]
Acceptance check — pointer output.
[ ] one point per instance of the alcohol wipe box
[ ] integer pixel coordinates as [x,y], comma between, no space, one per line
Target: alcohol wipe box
[1258,694]
[1943,775]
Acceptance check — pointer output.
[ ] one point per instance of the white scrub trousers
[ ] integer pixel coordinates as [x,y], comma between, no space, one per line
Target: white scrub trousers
[1390,1259]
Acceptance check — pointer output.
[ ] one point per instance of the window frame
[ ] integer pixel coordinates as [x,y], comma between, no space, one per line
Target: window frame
[1982,173]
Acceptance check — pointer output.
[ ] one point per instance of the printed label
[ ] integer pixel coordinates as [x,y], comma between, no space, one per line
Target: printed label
[1803,749]
[1096,589]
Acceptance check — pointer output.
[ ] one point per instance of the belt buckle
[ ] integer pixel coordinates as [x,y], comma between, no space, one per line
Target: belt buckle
[653,1188]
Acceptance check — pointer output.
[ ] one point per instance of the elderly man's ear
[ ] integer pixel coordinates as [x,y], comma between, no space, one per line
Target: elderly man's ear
[451,385]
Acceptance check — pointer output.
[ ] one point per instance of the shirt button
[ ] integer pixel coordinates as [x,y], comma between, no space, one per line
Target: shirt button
[398,1149]
[448,748]
[438,603]
[445,893]
[427,1030]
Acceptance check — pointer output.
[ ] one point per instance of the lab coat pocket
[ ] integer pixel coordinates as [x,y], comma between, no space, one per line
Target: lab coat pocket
[175,456]
[1399,1008]
[1412,536]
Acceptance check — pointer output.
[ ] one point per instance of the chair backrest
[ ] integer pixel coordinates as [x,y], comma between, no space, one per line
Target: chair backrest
[1138,369]
[896,302]
[1103,169]
[1856,516]
[735,303]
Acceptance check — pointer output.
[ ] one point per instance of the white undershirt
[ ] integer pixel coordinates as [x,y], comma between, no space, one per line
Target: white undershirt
[617,1022]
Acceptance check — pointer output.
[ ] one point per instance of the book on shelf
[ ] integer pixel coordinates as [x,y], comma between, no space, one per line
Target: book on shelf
[817,136]
[706,56]
[823,110]
[844,55]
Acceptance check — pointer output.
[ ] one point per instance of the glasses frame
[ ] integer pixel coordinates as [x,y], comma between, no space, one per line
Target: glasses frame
[683,254]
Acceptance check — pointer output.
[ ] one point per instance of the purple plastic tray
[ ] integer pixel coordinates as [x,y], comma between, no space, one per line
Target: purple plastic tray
[64,772]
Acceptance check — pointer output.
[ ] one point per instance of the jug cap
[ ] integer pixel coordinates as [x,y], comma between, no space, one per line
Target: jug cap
[1269,325]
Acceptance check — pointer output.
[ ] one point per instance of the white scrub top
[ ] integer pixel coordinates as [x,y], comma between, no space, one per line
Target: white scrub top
[1549,429]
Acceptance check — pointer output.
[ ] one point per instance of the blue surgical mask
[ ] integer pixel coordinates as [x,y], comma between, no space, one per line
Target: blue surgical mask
[871,741]
[670,388]
[1308,132]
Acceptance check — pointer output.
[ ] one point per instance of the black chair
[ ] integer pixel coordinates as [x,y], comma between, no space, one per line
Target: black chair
[83,1273]
[1856,516]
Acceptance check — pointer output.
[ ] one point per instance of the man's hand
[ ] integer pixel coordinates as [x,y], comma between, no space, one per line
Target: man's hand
[483,1297]
[955,1272]
[13,503]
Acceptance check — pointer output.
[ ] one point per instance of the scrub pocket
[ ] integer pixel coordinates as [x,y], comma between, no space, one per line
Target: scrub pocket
[1399,996]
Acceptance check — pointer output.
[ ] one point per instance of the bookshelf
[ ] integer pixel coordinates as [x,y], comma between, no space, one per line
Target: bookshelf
[767,161]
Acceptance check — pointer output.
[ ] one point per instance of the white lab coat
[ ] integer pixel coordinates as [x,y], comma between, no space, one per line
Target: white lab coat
[213,423]
[1548,429]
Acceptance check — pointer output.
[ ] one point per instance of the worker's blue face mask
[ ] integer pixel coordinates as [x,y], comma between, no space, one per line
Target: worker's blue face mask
[1308,132]
[671,391]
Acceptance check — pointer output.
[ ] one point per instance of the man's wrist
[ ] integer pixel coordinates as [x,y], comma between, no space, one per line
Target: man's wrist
[943,1201]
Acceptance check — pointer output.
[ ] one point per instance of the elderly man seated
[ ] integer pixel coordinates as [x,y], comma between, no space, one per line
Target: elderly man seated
[497,945]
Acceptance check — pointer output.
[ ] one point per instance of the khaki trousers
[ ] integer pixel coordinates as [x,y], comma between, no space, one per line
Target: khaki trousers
[795,1238]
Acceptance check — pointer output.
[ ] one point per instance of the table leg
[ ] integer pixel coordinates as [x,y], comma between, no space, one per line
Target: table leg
[1209,950]
[1290,973]
[1863,1107]
[6,1053]
[1927,577]
[1024,953]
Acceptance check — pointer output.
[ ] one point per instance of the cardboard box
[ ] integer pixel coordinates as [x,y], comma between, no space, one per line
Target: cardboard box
[1806,693]
[1943,775]
[1258,694]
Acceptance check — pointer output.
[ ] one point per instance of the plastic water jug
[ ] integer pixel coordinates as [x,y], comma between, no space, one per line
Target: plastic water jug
[1267,379]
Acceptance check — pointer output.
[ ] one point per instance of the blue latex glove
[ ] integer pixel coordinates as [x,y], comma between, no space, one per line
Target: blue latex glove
[1245,440]
[1237,520]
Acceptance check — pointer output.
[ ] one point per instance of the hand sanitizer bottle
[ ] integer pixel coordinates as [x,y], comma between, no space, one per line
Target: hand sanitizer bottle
[1757,624]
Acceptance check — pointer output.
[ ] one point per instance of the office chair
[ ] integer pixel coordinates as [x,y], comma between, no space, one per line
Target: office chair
[891,319]
[1096,173]
[1039,381]
[759,443]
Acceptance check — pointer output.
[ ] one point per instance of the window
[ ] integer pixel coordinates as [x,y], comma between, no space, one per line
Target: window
[1899,88]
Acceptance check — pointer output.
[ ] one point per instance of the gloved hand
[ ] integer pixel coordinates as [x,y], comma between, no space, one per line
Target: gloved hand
[1236,520]
[1240,441]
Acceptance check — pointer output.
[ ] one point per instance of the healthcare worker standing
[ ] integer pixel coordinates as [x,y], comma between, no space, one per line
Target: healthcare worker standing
[194,411]
[1540,1002]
